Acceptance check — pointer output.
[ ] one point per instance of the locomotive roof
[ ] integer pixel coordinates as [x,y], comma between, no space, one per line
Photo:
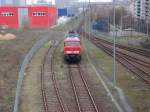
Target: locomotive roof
[72,39]
[72,35]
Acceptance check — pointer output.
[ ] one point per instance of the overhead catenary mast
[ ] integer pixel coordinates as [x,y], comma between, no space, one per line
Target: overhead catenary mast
[114,44]
[89,19]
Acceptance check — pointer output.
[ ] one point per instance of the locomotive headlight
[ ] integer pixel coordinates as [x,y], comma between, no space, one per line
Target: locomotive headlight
[72,52]
[76,52]
[68,52]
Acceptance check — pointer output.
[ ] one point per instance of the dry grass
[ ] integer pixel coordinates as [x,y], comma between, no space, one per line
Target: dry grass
[12,53]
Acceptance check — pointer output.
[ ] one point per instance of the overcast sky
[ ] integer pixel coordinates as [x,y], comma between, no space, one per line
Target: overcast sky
[53,1]
[97,0]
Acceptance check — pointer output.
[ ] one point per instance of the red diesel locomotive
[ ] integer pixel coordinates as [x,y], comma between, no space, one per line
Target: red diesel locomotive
[72,48]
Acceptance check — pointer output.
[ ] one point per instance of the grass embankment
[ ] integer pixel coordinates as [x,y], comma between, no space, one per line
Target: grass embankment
[31,94]
[12,53]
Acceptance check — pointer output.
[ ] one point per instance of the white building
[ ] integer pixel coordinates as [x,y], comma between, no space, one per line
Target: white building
[142,9]
[64,3]
[130,7]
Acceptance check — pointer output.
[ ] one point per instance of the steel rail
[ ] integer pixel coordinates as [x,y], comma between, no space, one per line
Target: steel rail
[44,97]
[88,90]
[85,85]
[54,80]
[74,90]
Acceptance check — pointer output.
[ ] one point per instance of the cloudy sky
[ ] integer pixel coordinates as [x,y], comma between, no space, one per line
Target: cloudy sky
[53,1]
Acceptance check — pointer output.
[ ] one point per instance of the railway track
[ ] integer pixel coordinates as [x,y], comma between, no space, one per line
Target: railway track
[138,66]
[52,101]
[139,51]
[84,100]
[129,57]
[135,65]
[129,64]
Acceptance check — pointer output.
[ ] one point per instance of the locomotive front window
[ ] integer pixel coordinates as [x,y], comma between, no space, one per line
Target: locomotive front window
[75,44]
[68,44]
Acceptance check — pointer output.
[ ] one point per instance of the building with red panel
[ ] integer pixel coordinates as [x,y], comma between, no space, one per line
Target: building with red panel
[9,17]
[53,15]
[41,16]
[29,16]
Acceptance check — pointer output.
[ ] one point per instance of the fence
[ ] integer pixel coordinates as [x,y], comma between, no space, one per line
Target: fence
[139,25]
[24,64]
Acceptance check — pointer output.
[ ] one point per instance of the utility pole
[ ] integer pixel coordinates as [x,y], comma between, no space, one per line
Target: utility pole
[89,20]
[131,27]
[147,29]
[85,17]
[147,22]
[114,44]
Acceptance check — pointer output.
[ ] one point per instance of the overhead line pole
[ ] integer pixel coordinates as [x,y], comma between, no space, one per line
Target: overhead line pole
[114,44]
[85,16]
[147,27]
[89,19]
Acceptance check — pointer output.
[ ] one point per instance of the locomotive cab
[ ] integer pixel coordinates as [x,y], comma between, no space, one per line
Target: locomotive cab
[72,49]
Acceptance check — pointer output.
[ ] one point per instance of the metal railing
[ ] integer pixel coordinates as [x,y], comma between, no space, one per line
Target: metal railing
[24,64]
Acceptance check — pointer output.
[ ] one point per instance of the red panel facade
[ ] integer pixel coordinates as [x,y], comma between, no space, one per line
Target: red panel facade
[38,16]
[52,15]
[41,16]
[9,17]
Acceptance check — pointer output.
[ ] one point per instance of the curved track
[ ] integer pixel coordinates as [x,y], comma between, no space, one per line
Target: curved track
[52,101]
